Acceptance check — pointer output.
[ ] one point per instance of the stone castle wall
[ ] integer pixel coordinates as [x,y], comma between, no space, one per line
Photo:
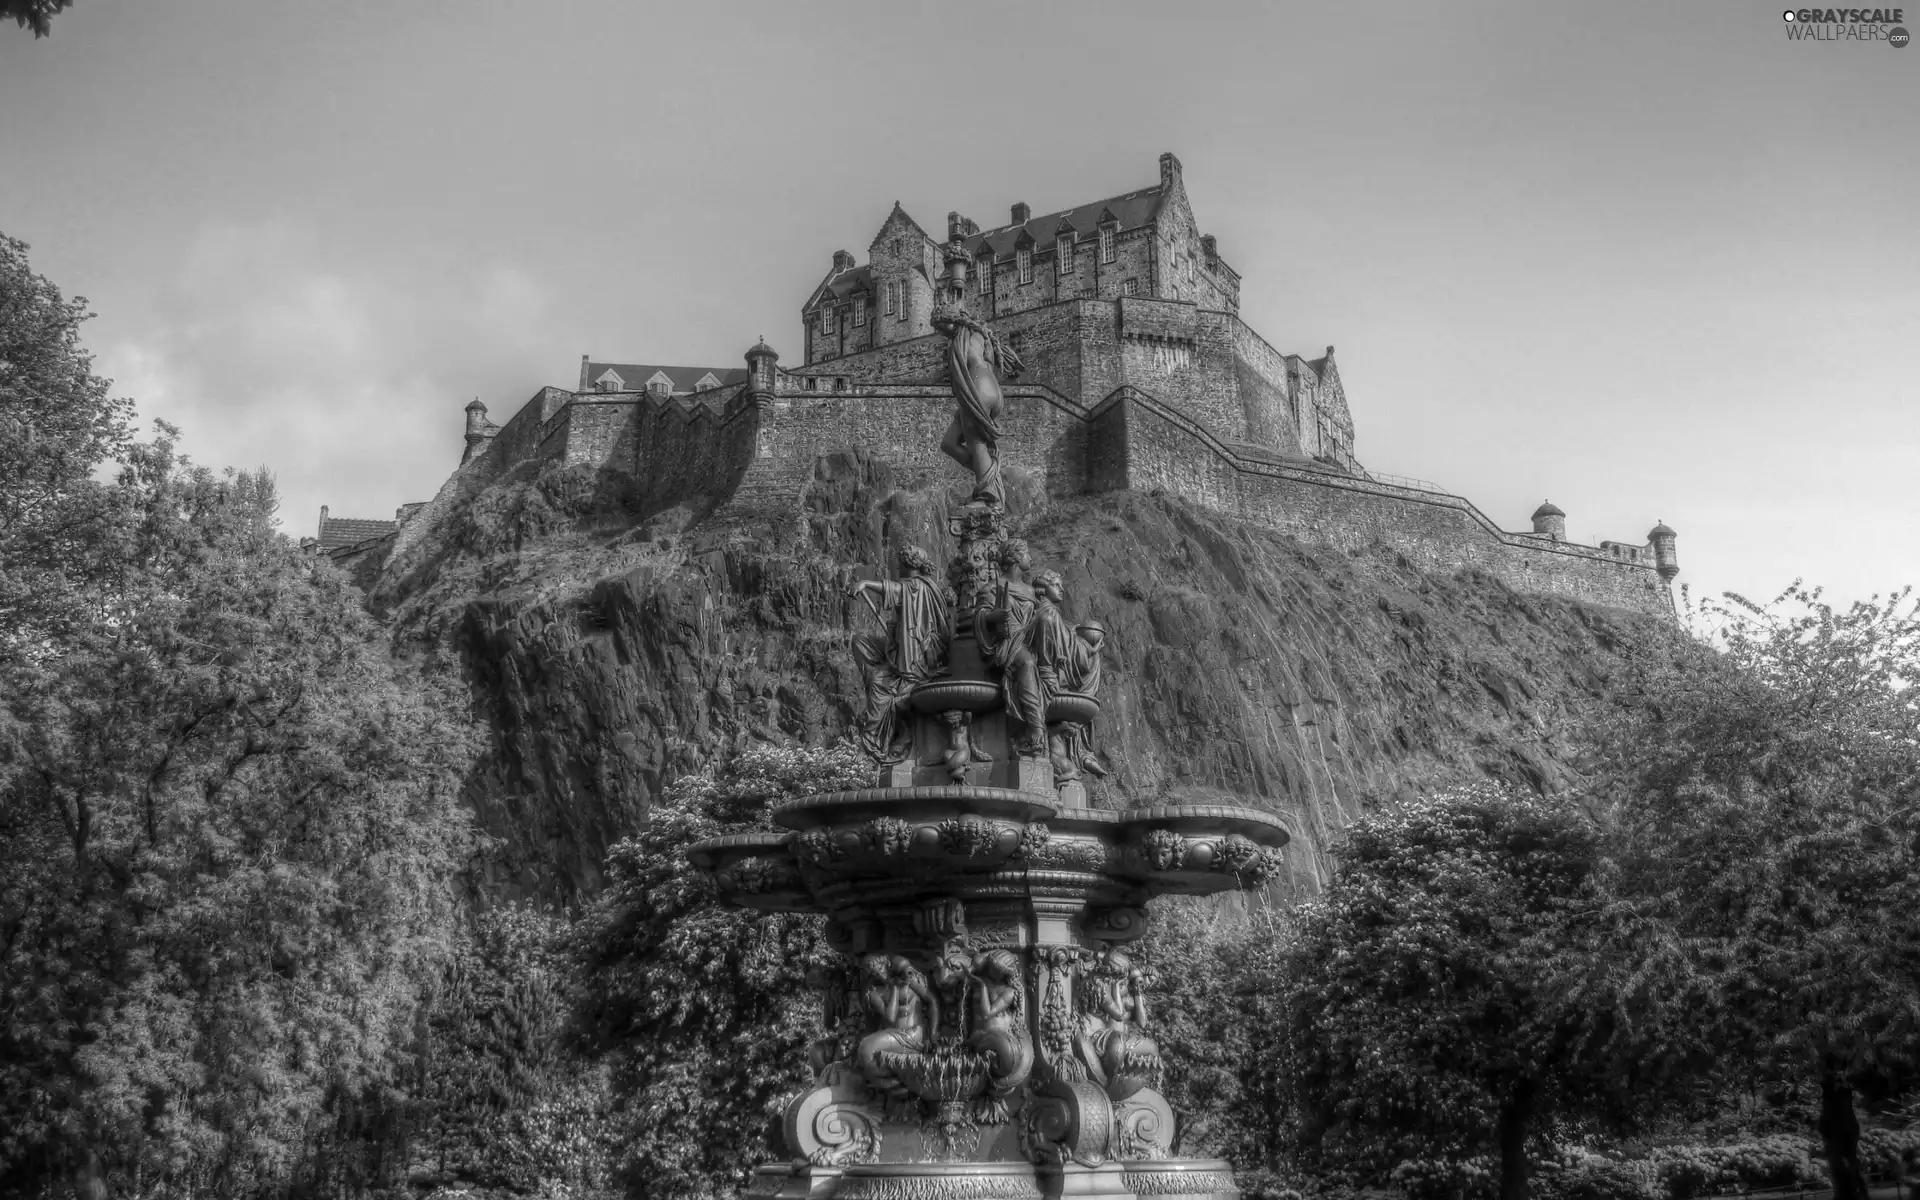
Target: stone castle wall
[1190,402]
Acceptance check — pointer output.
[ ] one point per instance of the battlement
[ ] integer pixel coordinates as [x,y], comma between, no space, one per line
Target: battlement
[1156,385]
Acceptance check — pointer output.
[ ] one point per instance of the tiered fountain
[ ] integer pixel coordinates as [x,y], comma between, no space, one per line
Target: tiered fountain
[986,1036]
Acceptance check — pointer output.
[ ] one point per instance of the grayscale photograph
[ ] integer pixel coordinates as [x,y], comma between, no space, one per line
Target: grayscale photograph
[792,600]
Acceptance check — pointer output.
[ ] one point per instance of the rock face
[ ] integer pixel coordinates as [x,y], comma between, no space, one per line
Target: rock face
[1241,665]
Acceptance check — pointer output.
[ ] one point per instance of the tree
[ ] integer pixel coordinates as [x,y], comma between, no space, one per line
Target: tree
[1766,781]
[1442,998]
[704,1011]
[34,14]
[58,421]
[228,820]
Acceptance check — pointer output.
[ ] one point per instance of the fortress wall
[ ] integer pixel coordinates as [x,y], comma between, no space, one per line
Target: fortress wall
[1169,352]
[518,439]
[1260,378]
[690,451]
[1040,435]
[1045,338]
[1439,532]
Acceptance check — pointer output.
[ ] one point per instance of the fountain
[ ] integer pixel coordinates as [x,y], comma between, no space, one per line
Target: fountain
[986,1036]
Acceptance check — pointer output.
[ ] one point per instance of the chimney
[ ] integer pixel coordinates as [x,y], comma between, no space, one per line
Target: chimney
[323,520]
[583,374]
[1021,213]
[1169,170]
[842,261]
[1210,247]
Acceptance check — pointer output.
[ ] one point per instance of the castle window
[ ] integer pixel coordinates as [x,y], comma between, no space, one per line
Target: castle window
[1063,254]
[1106,244]
[807,384]
[859,310]
[1130,287]
[1024,257]
[986,274]
[891,305]
[826,319]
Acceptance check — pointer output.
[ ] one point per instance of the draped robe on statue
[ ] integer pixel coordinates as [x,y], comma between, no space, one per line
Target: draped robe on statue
[904,652]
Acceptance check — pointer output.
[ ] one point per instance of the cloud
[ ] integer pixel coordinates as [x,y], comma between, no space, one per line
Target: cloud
[347,379]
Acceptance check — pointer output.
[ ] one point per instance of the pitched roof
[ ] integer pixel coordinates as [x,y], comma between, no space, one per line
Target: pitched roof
[346,531]
[1131,210]
[634,376]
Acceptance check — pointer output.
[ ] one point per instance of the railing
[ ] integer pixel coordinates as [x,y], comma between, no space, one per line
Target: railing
[1407,481]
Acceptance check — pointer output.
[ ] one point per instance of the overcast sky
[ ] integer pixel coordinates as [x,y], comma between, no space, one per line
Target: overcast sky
[1649,260]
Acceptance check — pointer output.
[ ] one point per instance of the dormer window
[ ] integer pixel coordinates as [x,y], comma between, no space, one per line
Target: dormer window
[609,381]
[1063,254]
[707,383]
[659,384]
[859,310]
[1106,243]
[1023,258]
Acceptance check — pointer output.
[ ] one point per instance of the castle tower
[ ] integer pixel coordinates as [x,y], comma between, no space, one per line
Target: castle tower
[760,369]
[1665,560]
[479,430]
[1549,521]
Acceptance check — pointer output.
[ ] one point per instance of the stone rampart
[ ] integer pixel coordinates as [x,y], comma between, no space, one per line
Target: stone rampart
[756,453]
[1166,451]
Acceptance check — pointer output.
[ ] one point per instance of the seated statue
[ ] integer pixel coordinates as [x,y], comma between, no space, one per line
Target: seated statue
[908,648]
[900,1005]
[1113,1042]
[999,1028]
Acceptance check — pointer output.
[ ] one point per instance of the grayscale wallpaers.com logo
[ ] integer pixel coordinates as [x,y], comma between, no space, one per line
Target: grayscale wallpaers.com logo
[1847,25]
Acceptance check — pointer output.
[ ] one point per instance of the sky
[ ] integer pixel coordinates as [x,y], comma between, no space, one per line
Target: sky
[1651,261]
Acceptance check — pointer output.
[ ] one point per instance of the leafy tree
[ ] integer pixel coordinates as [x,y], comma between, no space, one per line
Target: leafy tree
[1442,1003]
[1766,781]
[1214,968]
[227,819]
[58,421]
[704,1011]
[503,1101]
[34,14]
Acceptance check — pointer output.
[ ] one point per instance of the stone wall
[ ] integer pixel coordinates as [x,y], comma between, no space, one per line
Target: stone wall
[1168,453]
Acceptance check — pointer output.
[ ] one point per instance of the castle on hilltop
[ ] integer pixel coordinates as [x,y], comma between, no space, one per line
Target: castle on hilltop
[1139,373]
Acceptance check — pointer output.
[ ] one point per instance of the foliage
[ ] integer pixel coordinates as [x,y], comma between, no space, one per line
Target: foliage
[1214,969]
[703,1011]
[1443,999]
[58,421]
[227,819]
[1765,782]
[34,14]
[503,1103]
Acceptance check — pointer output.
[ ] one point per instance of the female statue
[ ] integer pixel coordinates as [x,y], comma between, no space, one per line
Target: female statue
[909,646]
[1000,1027]
[976,358]
[897,997]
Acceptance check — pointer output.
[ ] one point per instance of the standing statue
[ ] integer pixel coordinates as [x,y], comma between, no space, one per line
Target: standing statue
[909,647]
[976,358]
[1004,635]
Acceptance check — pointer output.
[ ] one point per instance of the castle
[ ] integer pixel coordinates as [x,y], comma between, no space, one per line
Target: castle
[1140,373]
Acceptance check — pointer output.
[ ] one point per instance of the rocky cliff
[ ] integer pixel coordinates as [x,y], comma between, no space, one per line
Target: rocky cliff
[612,655]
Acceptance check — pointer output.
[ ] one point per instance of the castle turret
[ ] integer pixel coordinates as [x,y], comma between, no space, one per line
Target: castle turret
[1549,521]
[760,368]
[479,430]
[1665,560]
